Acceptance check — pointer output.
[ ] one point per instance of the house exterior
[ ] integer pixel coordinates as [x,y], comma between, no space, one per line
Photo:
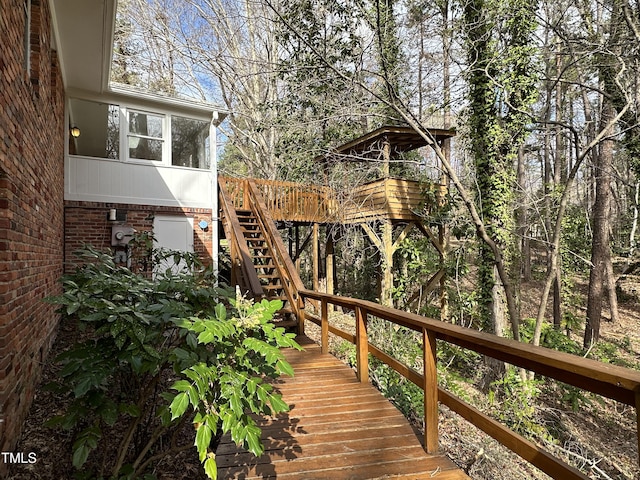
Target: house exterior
[82,162]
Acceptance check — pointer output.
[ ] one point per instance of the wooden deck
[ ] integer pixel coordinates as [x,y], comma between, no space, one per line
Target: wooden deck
[338,428]
[388,198]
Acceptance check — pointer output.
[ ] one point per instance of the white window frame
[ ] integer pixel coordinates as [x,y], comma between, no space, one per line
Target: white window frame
[125,135]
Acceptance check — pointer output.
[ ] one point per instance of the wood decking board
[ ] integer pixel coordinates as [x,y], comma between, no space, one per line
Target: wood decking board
[338,428]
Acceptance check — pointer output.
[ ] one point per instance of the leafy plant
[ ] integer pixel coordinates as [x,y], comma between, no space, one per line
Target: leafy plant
[156,354]
[513,401]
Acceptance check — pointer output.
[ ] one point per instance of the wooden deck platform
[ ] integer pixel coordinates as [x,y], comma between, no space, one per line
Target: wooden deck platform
[338,428]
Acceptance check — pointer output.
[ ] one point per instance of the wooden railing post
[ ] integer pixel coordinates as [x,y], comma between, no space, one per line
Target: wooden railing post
[638,422]
[431,441]
[362,345]
[324,327]
[245,194]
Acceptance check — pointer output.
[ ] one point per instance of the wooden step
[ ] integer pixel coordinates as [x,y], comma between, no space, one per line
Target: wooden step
[261,256]
[268,275]
[270,266]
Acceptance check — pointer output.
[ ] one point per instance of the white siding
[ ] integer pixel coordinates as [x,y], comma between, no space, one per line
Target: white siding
[100,180]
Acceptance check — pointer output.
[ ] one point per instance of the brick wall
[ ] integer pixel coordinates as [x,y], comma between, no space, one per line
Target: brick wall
[31,206]
[87,223]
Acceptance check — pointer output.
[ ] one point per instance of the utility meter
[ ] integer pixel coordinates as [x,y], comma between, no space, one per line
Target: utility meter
[121,235]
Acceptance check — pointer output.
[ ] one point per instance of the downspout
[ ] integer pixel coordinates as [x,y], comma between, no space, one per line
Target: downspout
[213,155]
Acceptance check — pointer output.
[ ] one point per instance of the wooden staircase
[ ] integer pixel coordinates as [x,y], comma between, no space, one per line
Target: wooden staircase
[261,266]
[262,259]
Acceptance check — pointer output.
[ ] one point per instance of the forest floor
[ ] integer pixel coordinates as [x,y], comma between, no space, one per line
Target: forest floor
[600,436]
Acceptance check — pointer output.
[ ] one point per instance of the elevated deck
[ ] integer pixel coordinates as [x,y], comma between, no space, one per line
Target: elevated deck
[384,199]
[337,428]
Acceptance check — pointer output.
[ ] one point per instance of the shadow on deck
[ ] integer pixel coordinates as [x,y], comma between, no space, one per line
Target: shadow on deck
[337,428]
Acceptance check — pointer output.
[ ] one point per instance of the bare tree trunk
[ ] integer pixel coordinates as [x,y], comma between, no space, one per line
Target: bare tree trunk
[611,290]
[600,252]
[634,225]
[559,177]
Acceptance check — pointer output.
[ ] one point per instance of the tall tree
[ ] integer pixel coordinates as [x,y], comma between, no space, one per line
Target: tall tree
[317,109]
[502,85]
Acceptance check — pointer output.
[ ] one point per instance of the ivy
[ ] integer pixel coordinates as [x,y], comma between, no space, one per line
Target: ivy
[502,89]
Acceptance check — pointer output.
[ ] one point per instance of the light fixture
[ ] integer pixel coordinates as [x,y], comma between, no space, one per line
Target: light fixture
[75,131]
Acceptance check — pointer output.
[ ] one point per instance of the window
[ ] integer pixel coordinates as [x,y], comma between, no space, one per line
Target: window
[99,126]
[117,132]
[189,142]
[145,136]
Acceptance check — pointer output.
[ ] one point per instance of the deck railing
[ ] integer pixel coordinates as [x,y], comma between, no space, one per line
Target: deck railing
[291,201]
[617,383]
[298,202]
[393,198]
[243,272]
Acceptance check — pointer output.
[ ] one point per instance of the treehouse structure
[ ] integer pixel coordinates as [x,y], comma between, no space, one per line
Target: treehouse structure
[386,208]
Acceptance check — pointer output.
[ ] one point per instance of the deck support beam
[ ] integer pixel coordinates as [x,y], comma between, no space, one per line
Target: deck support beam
[329,261]
[387,247]
[316,257]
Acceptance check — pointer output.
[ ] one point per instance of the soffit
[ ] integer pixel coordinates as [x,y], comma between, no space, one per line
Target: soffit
[83,31]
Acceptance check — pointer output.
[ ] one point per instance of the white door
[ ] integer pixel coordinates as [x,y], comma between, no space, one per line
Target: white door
[173,232]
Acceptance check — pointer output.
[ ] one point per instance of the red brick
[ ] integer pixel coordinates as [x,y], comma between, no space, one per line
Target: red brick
[31,208]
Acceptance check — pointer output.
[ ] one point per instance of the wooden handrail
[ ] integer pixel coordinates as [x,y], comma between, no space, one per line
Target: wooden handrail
[240,256]
[286,269]
[296,201]
[315,203]
[610,381]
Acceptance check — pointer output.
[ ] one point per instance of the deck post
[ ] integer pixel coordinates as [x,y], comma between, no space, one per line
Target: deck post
[638,422]
[324,327]
[316,257]
[386,293]
[430,387]
[362,345]
[245,195]
[329,263]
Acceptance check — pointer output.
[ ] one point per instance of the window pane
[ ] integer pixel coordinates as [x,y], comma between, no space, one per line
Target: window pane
[145,124]
[145,148]
[189,142]
[99,125]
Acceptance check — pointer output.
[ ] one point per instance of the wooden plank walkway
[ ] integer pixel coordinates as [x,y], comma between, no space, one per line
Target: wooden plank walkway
[338,428]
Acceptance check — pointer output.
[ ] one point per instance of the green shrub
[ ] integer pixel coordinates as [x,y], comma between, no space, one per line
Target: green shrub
[513,401]
[156,354]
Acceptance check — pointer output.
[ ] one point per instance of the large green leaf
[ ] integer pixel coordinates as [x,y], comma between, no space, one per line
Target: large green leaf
[203,439]
[179,405]
[80,455]
[211,468]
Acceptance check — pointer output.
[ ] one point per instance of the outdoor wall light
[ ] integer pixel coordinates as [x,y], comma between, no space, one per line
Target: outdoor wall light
[75,132]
